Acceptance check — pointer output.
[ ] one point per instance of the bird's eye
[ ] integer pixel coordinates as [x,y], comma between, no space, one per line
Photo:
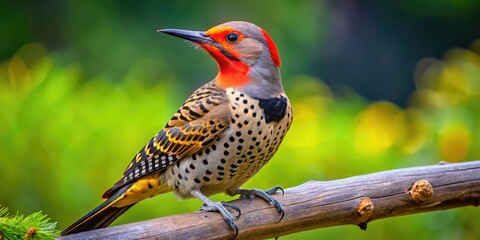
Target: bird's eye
[232,37]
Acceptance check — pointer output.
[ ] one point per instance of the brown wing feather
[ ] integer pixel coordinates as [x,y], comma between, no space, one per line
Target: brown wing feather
[202,119]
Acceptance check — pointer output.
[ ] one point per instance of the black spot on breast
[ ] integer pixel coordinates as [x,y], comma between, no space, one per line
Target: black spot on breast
[274,108]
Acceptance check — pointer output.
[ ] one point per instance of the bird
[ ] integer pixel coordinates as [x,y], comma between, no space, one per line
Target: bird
[222,135]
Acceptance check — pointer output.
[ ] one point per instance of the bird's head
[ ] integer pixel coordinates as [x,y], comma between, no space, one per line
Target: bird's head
[246,55]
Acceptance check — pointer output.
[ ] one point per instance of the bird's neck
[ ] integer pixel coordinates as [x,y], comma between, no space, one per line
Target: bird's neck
[232,74]
[258,82]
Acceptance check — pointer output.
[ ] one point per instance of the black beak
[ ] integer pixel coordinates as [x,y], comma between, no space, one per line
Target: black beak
[194,36]
[200,38]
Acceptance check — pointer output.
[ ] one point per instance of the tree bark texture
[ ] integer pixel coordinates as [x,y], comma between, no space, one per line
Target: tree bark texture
[317,204]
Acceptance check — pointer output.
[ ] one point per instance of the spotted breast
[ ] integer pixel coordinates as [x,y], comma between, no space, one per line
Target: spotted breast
[249,142]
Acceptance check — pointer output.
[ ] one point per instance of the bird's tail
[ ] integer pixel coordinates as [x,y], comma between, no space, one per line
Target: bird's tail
[100,217]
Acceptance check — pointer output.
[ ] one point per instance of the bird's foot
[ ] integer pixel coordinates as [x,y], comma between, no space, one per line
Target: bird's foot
[219,207]
[265,195]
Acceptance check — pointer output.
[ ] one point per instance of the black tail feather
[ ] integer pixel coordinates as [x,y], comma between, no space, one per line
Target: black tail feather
[100,217]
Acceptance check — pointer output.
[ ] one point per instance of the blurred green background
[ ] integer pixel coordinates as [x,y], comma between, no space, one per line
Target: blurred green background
[375,85]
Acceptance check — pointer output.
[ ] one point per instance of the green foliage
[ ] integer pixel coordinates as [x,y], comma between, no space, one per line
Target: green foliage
[33,226]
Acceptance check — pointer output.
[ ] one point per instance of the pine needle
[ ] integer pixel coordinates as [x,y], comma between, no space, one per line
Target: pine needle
[34,226]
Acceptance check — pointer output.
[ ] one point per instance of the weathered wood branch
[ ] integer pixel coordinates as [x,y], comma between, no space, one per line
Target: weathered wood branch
[316,204]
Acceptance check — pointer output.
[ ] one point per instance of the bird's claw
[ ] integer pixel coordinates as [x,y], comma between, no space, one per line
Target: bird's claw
[274,190]
[224,204]
[220,207]
[265,195]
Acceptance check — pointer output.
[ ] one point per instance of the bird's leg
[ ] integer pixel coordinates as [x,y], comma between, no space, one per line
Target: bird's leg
[220,207]
[265,195]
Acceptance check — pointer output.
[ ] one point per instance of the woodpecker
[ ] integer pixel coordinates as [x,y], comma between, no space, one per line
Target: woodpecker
[219,138]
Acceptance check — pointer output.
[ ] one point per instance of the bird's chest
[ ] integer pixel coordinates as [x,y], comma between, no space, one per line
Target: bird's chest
[252,139]
[248,144]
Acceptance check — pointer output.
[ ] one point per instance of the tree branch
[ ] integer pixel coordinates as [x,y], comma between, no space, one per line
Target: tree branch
[316,204]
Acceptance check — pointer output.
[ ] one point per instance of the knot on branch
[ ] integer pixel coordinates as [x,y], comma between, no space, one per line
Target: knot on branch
[421,191]
[364,212]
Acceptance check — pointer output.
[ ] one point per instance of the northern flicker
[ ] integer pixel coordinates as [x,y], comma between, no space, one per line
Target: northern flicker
[220,137]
